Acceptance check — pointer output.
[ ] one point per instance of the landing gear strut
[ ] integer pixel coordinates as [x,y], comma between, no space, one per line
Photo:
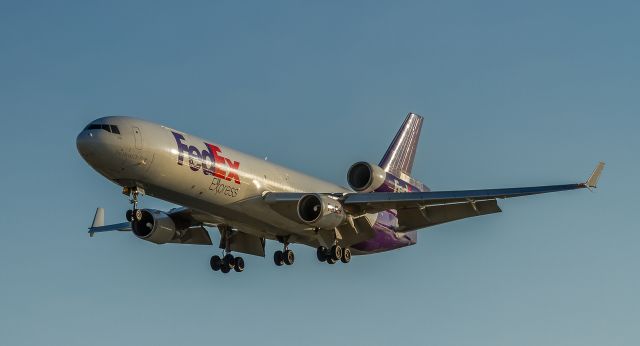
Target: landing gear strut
[134,212]
[285,256]
[228,261]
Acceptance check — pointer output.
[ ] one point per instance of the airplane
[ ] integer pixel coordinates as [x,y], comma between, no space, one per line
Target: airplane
[251,200]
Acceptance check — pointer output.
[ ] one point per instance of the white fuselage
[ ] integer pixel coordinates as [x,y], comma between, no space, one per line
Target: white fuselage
[196,173]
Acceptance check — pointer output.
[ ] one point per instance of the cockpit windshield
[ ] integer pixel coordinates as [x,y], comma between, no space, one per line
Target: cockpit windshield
[106,127]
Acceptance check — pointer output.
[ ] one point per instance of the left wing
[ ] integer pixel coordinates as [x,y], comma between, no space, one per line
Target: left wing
[417,210]
[379,201]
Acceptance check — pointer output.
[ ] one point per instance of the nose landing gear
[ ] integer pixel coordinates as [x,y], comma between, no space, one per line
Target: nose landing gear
[134,213]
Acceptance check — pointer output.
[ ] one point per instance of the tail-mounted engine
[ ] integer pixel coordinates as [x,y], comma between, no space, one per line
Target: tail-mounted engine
[154,226]
[365,177]
[320,211]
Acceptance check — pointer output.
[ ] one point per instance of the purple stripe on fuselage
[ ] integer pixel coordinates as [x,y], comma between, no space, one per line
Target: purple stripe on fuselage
[386,236]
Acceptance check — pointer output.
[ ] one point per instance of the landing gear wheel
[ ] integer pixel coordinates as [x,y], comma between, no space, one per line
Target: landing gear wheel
[216,263]
[239,265]
[289,257]
[129,215]
[330,260]
[225,268]
[321,252]
[137,214]
[228,260]
[278,258]
[346,255]
[336,252]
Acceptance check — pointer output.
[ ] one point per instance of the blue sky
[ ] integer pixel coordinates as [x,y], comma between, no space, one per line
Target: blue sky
[513,93]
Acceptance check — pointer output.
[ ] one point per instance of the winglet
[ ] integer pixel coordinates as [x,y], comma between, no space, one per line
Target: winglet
[592,182]
[98,220]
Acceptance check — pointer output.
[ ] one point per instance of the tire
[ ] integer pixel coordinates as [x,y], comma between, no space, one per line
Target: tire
[330,260]
[239,265]
[278,258]
[321,252]
[336,252]
[138,214]
[289,257]
[228,260]
[346,256]
[129,215]
[216,263]
[225,269]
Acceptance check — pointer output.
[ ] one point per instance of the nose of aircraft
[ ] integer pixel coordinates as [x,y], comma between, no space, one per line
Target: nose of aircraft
[113,147]
[93,144]
[83,143]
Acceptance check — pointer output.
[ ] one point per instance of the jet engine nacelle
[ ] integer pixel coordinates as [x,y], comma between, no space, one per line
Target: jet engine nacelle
[154,226]
[320,211]
[365,176]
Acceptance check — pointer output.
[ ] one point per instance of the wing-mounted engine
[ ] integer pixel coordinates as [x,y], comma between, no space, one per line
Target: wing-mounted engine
[365,177]
[161,228]
[154,226]
[320,211]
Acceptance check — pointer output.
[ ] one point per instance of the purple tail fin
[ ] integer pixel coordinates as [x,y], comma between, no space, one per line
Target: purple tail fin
[398,162]
[398,159]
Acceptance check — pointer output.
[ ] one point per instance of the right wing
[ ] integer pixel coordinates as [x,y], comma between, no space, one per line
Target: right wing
[191,223]
[195,234]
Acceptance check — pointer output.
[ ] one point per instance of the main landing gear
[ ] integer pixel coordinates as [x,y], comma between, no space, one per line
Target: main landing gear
[226,263]
[334,254]
[285,256]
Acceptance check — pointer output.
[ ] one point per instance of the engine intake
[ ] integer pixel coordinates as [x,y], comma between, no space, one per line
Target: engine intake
[155,226]
[320,211]
[365,176]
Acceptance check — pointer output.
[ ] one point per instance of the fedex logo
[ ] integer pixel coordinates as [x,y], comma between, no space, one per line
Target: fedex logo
[210,160]
[401,186]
